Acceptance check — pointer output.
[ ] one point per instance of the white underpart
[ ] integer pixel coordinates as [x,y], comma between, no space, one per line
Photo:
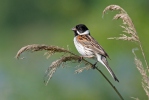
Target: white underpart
[84,33]
[82,50]
[99,59]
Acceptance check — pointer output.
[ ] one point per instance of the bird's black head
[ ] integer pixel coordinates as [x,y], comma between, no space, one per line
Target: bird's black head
[81,29]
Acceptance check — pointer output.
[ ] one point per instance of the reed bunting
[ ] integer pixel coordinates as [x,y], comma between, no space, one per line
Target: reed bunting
[87,46]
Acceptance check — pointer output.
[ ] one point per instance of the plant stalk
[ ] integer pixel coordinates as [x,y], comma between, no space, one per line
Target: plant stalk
[103,76]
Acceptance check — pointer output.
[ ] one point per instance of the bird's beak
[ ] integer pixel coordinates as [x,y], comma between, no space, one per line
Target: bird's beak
[73,29]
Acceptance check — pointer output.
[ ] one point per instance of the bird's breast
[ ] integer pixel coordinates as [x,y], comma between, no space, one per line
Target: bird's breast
[82,49]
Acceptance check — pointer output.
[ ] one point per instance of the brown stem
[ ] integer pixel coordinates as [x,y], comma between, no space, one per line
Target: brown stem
[110,83]
[103,76]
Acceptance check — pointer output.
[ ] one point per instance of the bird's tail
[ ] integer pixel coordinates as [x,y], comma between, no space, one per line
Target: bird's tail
[104,61]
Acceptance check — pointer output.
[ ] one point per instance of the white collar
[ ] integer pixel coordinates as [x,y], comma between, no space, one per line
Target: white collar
[84,33]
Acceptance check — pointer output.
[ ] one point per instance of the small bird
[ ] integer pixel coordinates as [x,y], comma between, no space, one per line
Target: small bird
[88,47]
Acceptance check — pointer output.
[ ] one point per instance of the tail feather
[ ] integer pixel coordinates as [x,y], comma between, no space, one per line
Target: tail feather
[104,61]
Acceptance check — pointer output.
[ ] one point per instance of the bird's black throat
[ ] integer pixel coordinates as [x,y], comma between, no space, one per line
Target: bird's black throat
[75,33]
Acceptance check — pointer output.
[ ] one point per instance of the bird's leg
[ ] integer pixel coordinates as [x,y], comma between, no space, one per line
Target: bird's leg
[80,58]
[94,65]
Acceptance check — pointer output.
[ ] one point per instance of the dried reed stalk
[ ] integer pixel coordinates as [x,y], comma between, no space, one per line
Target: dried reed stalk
[128,26]
[131,35]
[36,47]
[55,49]
[69,56]
[145,79]
[51,70]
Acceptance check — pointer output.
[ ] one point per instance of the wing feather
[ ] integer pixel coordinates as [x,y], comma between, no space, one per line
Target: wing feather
[89,42]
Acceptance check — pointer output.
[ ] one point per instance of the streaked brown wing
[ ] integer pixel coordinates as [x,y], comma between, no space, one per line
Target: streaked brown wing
[89,42]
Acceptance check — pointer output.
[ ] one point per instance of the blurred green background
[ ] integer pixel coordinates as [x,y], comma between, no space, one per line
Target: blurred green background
[49,22]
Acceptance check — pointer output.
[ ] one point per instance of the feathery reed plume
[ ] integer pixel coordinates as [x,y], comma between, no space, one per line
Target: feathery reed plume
[145,79]
[128,26]
[69,56]
[51,70]
[50,51]
[55,49]
[131,35]
[35,47]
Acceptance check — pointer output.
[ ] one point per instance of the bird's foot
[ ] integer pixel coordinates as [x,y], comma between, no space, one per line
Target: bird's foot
[94,65]
[80,58]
